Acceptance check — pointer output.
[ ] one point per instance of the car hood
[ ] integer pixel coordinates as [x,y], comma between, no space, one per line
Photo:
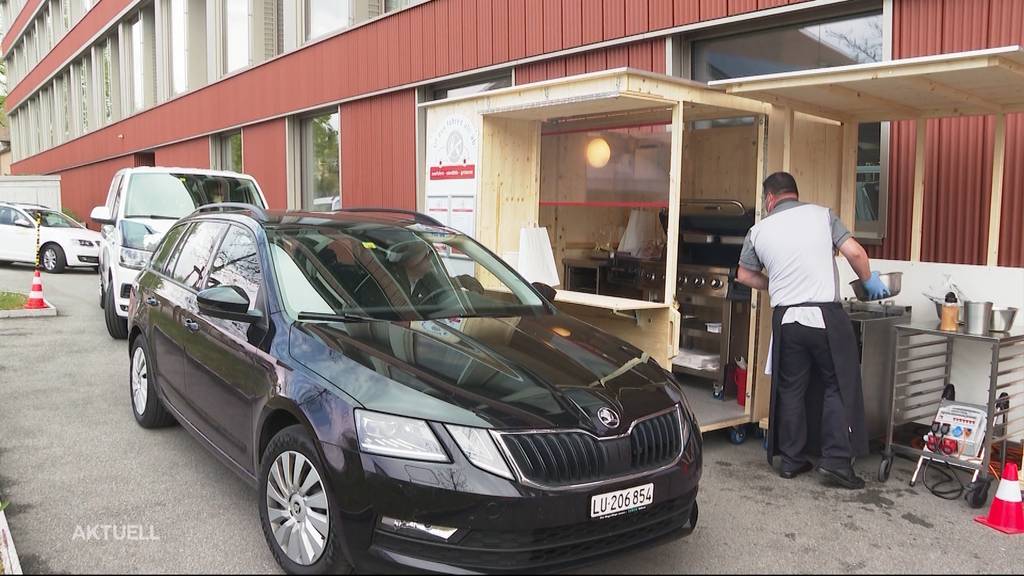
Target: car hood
[522,372]
[70,234]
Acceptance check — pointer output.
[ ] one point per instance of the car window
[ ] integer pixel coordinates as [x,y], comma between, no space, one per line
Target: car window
[6,216]
[195,253]
[237,263]
[163,252]
[51,219]
[178,195]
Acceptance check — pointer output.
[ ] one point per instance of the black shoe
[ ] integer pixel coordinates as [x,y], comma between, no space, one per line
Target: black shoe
[790,474]
[845,477]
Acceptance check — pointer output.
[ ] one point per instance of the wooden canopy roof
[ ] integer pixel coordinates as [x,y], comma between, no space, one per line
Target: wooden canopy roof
[972,83]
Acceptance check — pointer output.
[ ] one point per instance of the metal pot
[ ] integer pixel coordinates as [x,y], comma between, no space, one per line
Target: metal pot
[1002,319]
[978,317]
[892,280]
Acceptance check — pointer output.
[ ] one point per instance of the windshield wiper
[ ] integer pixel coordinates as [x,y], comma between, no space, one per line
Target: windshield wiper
[339,317]
[154,216]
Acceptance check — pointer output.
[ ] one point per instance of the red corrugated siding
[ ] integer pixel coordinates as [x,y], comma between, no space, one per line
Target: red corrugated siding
[958,180]
[378,150]
[263,157]
[661,14]
[711,9]
[646,55]
[82,189]
[191,154]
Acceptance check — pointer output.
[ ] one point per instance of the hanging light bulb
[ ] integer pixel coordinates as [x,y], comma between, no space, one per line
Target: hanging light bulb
[598,152]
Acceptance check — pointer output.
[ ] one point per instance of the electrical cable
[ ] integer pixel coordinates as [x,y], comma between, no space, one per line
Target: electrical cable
[949,476]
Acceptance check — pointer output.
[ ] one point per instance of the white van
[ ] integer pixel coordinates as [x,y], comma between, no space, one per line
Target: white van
[142,204]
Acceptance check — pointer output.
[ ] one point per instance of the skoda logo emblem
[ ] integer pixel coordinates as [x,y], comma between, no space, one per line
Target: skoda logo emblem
[608,417]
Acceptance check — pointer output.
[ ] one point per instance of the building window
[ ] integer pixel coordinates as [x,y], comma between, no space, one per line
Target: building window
[228,152]
[84,101]
[107,53]
[138,65]
[65,89]
[179,47]
[65,16]
[236,35]
[392,5]
[319,161]
[324,16]
[472,85]
[270,20]
[821,44]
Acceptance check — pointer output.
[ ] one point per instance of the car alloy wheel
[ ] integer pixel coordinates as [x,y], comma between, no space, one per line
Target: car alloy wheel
[140,381]
[49,259]
[297,508]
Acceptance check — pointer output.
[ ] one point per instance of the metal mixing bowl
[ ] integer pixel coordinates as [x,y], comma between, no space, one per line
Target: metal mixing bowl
[892,280]
[1002,319]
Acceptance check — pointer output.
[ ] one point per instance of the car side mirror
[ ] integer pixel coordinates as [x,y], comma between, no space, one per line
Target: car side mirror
[101,215]
[227,302]
[547,291]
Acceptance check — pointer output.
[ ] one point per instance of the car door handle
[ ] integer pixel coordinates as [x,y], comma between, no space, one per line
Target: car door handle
[152,301]
[191,325]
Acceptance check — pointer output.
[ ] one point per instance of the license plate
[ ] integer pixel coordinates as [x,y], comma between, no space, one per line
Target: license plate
[621,501]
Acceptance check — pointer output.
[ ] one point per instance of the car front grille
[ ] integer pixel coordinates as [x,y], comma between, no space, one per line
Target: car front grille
[547,548]
[555,459]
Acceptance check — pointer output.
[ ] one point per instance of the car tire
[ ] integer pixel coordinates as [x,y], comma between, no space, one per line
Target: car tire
[147,407]
[103,295]
[293,448]
[52,259]
[117,327]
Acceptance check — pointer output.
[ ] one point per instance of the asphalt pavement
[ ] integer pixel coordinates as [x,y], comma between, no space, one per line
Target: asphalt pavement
[91,492]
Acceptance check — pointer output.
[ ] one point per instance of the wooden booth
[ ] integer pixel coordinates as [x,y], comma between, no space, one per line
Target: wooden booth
[646,185]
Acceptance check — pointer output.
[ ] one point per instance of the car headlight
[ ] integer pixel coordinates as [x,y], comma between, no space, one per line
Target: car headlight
[396,436]
[86,243]
[479,447]
[134,259]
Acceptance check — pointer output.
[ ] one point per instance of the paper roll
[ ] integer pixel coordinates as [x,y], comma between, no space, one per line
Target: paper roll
[536,258]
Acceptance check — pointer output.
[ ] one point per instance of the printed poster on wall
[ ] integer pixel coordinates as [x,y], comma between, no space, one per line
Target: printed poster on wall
[453,148]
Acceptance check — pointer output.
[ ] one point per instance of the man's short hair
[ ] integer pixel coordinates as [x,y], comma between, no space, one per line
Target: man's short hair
[780,183]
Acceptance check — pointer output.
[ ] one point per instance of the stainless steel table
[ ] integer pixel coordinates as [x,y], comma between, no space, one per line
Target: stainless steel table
[921,371]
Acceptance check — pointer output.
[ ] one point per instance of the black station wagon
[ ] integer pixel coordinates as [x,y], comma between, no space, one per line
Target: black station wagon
[402,399]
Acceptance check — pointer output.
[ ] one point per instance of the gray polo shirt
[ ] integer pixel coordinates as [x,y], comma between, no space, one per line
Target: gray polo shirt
[748,257]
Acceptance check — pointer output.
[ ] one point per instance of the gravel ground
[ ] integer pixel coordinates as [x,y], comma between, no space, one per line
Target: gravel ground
[75,466]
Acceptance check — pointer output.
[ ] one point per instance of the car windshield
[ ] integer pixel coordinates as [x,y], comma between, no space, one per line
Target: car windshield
[393,272]
[175,196]
[50,219]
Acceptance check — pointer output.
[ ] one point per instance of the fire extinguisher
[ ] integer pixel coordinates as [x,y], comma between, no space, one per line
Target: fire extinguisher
[739,377]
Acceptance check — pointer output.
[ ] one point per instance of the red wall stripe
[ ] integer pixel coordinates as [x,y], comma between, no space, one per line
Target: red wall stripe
[516,29]
[686,11]
[660,15]
[82,189]
[263,151]
[646,55]
[637,17]
[191,154]
[378,150]
[711,9]
[614,19]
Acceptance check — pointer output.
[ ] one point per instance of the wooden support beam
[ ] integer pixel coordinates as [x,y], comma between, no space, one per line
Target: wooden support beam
[805,107]
[675,179]
[1010,66]
[871,100]
[789,120]
[995,216]
[956,94]
[848,186]
[917,225]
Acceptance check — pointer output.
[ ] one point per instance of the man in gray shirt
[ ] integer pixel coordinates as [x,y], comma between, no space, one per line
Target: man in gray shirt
[816,388]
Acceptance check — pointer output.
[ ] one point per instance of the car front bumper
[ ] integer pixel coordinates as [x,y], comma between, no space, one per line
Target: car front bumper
[502,526]
[122,279]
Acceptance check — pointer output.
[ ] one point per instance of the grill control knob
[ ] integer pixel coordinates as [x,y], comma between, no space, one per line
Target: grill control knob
[698,282]
[716,283]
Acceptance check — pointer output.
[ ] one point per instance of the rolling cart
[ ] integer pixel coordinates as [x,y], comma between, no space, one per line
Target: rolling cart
[922,369]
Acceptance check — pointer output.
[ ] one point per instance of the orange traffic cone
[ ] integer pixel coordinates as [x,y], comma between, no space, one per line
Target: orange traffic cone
[35,298]
[1007,512]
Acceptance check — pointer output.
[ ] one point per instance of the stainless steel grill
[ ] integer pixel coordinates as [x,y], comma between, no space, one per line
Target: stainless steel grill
[569,458]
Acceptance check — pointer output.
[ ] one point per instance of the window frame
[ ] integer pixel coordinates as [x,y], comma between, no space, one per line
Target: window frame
[301,156]
[683,55]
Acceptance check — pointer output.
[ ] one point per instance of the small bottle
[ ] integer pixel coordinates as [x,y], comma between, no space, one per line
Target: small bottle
[950,318]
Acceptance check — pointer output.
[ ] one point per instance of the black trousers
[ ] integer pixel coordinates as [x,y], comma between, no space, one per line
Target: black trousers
[807,371]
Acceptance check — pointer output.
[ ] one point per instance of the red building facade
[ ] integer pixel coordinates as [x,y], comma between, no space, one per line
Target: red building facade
[374,74]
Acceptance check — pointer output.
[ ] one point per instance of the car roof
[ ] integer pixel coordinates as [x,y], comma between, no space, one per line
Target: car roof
[183,170]
[27,206]
[287,218]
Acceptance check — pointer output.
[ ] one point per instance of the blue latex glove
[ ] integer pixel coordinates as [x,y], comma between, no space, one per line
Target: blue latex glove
[875,288]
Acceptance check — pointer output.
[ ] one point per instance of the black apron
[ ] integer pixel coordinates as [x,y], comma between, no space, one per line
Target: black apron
[842,343]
